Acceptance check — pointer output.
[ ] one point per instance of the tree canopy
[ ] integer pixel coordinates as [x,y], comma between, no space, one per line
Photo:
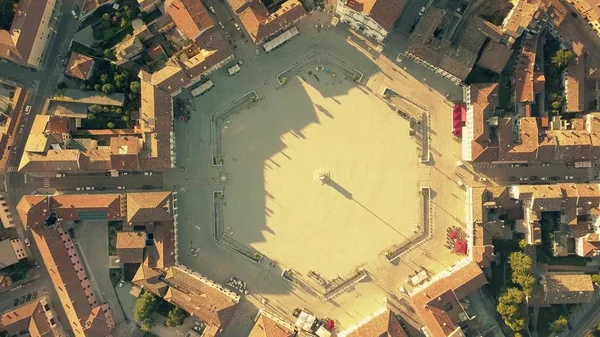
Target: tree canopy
[175,317]
[144,306]
[562,58]
[520,262]
[559,325]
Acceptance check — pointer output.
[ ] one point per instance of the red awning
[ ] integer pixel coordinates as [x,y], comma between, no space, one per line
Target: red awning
[457,120]
[453,235]
[460,247]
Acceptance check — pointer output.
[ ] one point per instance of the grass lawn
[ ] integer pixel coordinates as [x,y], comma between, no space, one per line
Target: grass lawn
[547,316]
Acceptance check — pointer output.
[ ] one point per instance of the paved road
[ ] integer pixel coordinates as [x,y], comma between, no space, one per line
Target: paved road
[502,173]
[584,319]
[98,181]
[42,84]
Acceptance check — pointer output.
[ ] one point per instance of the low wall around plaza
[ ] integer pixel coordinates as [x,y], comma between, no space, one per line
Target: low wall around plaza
[319,58]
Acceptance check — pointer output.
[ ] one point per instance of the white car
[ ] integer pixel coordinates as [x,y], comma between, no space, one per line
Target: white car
[60,175]
[27,242]
[89,188]
[79,188]
[545,164]
[120,187]
[212,9]
[147,173]
[121,283]
[524,178]
[544,178]
[569,178]
[482,179]
[422,11]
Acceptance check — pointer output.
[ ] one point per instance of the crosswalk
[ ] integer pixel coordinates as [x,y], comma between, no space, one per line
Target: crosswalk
[46,182]
[11,169]
[591,173]
[486,166]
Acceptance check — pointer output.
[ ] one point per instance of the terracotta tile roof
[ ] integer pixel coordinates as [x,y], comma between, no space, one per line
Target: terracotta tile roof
[200,297]
[524,71]
[457,285]
[124,153]
[57,124]
[155,125]
[191,18]
[574,81]
[495,56]
[150,280]
[80,66]
[32,210]
[520,17]
[29,317]
[53,160]
[148,207]
[64,266]
[484,99]
[384,12]
[73,206]
[518,138]
[29,32]
[588,245]
[456,60]
[164,244]
[267,326]
[130,246]
[260,24]
[383,325]
[567,288]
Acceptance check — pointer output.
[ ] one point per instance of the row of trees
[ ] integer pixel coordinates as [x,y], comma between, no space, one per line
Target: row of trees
[147,304]
[509,303]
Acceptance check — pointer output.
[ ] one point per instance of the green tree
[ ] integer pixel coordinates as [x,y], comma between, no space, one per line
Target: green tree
[507,310]
[124,22]
[556,105]
[596,279]
[118,15]
[134,87]
[104,78]
[144,306]
[91,117]
[518,334]
[125,118]
[106,17]
[515,324]
[559,325]
[110,125]
[108,88]
[562,58]
[147,324]
[175,317]
[98,87]
[95,109]
[520,262]
[109,54]
[526,281]
[523,244]
[512,296]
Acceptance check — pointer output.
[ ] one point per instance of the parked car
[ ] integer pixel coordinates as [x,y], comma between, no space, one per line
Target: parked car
[569,165]
[569,178]
[60,175]
[545,164]
[519,165]
[544,178]
[147,173]
[16,302]
[26,241]
[121,283]
[422,11]
[147,187]
[554,178]
[36,264]
[120,187]
[524,178]
[534,178]
[89,188]
[512,178]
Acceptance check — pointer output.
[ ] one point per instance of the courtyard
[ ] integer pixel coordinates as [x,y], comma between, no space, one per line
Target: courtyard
[249,185]
[273,153]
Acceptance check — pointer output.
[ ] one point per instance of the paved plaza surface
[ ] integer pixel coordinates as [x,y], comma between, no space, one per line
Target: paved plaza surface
[275,204]
[271,150]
